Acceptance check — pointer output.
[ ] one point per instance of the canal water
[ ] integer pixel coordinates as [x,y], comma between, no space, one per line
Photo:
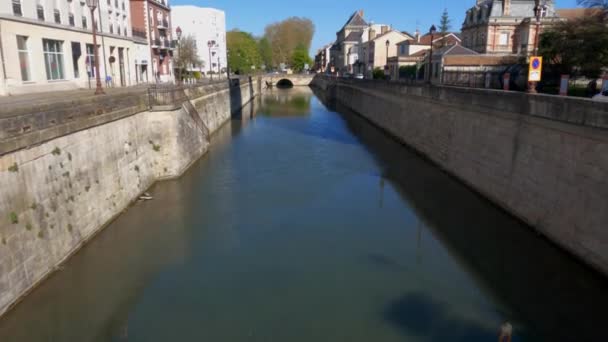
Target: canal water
[306,223]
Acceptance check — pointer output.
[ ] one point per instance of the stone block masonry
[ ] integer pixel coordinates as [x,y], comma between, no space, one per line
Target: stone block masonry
[57,193]
[542,158]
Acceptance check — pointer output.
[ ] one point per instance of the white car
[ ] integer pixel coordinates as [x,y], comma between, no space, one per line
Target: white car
[601,97]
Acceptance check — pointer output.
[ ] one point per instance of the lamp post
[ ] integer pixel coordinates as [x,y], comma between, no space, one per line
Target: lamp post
[538,10]
[178,33]
[386,73]
[432,31]
[92,4]
[210,44]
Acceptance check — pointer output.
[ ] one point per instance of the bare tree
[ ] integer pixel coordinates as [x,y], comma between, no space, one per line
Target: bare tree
[187,55]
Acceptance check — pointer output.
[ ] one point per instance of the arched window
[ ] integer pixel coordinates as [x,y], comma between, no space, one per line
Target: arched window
[40,12]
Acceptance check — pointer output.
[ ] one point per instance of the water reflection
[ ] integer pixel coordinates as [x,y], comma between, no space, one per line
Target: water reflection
[312,227]
[537,284]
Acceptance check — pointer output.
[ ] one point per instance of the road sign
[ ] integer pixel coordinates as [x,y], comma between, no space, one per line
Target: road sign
[536,68]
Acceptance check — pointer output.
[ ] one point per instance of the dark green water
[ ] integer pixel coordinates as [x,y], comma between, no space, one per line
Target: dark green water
[303,224]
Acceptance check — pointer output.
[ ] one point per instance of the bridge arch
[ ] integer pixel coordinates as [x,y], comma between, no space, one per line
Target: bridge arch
[284,83]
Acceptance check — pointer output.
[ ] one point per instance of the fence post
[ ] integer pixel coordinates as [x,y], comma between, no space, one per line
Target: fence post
[506,78]
[563,85]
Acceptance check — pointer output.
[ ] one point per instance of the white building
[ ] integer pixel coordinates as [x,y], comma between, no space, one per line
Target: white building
[205,25]
[47,45]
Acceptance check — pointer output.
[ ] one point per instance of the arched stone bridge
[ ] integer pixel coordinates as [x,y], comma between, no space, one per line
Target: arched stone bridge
[287,79]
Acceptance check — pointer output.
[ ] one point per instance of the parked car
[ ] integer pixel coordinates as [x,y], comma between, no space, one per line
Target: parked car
[601,97]
[359,76]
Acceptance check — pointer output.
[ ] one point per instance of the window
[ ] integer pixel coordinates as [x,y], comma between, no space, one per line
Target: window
[24,58]
[53,59]
[84,22]
[119,33]
[503,39]
[57,15]
[76,53]
[123,6]
[90,60]
[116,3]
[40,12]
[17,8]
[111,28]
[71,19]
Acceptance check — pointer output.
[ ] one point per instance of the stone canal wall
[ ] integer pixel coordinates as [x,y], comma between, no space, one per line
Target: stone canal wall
[58,192]
[542,158]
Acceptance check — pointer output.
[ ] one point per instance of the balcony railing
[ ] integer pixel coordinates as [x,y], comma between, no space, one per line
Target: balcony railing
[139,33]
[163,24]
[156,43]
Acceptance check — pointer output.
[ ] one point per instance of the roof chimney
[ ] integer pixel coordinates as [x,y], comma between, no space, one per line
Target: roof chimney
[361,13]
[384,29]
[372,34]
[506,7]
[417,36]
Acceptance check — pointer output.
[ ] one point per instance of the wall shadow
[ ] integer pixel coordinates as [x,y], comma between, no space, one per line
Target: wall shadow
[542,285]
[419,315]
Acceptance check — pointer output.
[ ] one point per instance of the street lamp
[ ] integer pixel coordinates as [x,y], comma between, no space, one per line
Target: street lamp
[432,31]
[539,9]
[178,33]
[92,4]
[388,43]
[210,44]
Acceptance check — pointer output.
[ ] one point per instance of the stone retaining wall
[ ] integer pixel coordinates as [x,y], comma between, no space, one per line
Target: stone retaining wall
[60,191]
[542,158]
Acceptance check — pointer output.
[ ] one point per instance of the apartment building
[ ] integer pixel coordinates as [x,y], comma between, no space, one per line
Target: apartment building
[151,21]
[47,45]
[208,27]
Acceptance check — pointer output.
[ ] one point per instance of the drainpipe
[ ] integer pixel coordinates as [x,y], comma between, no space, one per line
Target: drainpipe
[2,57]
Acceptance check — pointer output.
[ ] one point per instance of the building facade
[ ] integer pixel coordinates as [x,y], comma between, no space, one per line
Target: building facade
[322,59]
[47,45]
[345,51]
[205,25]
[505,26]
[380,48]
[413,52]
[151,21]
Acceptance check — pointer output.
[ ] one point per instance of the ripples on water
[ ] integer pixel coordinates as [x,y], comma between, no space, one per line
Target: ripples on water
[303,224]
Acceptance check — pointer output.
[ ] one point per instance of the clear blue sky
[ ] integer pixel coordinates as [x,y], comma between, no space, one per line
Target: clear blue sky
[329,15]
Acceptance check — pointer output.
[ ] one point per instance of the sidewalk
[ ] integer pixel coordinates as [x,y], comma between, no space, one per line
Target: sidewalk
[8,104]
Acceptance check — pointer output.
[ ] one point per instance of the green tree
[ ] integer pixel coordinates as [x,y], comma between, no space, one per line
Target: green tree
[378,74]
[445,22]
[300,59]
[285,36]
[577,47]
[243,52]
[265,52]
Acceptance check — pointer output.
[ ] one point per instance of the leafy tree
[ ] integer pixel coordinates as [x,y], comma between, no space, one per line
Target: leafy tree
[408,71]
[300,58]
[187,55]
[600,5]
[577,47]
[265,52]
[243,52]
[378,74]
[285,36]
[445,22]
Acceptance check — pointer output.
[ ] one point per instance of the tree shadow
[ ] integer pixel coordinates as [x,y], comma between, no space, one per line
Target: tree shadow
[419,315]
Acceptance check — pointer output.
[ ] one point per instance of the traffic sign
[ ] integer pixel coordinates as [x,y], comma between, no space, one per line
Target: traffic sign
[536,68]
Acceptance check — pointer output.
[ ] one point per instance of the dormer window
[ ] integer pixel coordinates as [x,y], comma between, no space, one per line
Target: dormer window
[40,12]
[17,8]
[57,16]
